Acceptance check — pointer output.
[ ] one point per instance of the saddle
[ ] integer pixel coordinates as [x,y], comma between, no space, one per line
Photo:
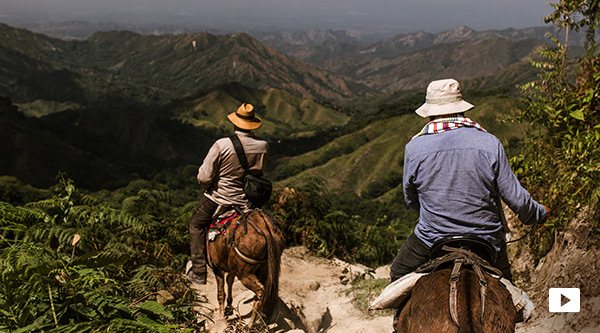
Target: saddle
[227,214]
[461,251]
[220,224]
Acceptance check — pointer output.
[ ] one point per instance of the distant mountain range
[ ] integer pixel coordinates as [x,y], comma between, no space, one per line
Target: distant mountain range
[80,30]
[124,67]
[121,66]
[120,105]
[315,45]
[409,61]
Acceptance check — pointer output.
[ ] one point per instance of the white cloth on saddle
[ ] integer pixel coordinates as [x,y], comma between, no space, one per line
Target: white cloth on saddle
[392,296]
[523,304]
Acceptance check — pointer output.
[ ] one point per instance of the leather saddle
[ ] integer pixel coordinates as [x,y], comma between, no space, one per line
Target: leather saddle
[477,245]
[460,251]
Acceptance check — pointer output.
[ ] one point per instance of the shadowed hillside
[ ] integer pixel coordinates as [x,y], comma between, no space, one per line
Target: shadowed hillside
[97,148]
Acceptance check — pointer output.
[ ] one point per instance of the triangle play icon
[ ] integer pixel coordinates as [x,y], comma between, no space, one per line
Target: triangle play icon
[564,300]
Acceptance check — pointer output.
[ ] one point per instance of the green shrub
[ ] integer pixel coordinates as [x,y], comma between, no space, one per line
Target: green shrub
[332,227]
[561,160]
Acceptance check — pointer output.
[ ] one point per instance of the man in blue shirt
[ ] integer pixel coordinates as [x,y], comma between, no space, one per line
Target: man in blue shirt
[454,175]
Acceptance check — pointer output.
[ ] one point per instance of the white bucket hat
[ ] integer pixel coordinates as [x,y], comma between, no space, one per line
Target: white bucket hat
[443,97]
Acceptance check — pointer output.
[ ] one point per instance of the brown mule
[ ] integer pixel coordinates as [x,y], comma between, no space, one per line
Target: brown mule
[428,308]
[252,253]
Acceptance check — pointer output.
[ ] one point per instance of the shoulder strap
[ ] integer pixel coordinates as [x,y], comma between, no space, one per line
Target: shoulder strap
[505,227]
[239,149]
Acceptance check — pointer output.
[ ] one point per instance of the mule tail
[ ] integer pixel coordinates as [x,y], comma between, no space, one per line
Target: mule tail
[271,282]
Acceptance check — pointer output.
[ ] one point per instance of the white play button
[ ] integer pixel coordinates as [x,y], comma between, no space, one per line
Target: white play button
[563,300]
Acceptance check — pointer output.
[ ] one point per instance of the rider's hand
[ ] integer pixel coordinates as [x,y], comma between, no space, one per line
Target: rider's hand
[548,213]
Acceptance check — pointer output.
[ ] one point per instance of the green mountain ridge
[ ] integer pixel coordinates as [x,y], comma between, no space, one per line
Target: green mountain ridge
[120,67]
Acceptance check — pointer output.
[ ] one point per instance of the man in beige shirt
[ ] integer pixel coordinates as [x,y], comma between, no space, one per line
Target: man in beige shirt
[221,175]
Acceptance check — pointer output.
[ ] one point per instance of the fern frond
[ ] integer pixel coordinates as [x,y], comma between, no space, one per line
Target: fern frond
[145,279]
[10,214]
[46,203]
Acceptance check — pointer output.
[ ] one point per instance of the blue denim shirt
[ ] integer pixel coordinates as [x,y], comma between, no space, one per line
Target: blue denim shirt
[452,179]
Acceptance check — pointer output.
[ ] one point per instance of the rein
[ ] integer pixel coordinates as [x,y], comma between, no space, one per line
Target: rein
[521,238]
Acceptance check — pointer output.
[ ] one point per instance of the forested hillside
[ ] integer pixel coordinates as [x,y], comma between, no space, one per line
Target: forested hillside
[284,115]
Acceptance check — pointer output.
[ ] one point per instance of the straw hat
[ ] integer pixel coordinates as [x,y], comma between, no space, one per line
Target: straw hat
[443,97]
[244,117]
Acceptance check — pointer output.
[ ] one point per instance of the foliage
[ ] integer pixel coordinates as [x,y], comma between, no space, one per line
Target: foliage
[285,170]
[310,217]
[382,186]
[15,192]
[562,161]
[364,288]
[74,263]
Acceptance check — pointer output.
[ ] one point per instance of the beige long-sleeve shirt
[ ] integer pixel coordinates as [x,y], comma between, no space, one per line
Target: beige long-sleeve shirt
[221,172]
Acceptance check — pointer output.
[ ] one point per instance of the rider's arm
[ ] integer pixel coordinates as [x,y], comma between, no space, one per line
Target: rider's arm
[209,168]
[514,195]
[410,190]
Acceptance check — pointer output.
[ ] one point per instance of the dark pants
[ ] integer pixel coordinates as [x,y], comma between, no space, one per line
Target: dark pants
[200,221]
[413,253]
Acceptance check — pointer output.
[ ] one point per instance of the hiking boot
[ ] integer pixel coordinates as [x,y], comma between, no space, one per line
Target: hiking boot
[192,276]
[196,278]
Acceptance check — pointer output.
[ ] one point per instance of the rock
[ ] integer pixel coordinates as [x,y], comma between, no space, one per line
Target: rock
[164,297]
[314,286]
[383,272]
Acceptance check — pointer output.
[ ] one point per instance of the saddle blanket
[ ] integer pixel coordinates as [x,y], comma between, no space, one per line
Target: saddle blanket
[219,225]
[223,215]
[396,292]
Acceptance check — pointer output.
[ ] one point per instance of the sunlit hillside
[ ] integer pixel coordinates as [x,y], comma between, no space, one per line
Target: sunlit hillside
[368,161]
[283,113]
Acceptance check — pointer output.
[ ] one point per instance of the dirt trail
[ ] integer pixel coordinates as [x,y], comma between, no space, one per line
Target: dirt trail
[314,299]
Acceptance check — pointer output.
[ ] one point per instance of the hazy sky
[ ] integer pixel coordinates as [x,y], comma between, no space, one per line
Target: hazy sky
[399,15]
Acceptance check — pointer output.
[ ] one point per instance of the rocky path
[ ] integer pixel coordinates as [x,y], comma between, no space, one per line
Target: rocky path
[313,298]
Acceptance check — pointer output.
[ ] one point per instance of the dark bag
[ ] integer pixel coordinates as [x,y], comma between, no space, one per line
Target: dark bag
[257,189]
